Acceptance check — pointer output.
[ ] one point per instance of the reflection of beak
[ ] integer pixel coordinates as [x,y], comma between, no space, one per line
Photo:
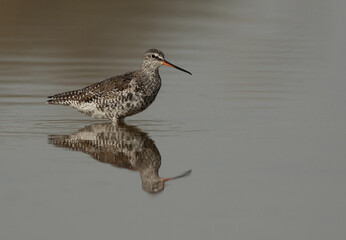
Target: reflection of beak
[164,62]
[184,174]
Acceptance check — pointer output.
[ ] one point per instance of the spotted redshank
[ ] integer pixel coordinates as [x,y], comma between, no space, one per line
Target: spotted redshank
[120,96]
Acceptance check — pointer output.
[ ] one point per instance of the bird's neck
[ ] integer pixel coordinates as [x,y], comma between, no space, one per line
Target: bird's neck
[151,74]
[149,69]
[149,173]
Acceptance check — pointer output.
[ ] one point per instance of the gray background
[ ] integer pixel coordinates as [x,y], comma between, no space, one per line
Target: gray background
[261,122]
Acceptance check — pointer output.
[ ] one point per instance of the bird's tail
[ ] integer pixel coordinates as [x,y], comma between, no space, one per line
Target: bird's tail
[65,98]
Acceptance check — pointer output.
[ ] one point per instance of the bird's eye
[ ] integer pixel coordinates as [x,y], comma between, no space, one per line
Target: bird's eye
[153,56]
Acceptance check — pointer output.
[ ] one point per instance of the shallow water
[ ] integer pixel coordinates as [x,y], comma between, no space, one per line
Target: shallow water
[261,122]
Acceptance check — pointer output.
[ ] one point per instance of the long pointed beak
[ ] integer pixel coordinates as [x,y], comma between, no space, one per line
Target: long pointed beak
[184,174]
[164,62]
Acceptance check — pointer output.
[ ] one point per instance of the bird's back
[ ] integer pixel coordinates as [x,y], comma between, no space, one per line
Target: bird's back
[98,90]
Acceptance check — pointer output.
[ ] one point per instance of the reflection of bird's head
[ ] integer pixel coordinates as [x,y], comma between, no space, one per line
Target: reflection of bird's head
[153,185]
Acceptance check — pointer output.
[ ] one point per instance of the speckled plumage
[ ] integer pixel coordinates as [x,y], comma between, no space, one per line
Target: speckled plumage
[120,96]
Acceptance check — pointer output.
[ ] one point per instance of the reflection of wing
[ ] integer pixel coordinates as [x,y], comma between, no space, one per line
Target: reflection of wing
[94,91]
[117,144]
[95,150]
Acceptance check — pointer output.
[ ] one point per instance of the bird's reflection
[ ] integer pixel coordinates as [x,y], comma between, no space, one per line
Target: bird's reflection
[122,146]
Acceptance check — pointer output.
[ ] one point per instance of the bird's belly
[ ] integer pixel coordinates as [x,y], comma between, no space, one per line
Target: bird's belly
[92,109]
[115,108]
[130,107]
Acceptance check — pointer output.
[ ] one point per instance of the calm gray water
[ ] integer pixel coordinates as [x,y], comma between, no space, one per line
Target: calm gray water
[261,122]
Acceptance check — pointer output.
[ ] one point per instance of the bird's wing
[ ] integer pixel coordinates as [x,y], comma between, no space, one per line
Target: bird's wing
[87,94]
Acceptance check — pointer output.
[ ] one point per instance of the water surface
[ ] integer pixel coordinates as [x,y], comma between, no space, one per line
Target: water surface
[261,122]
